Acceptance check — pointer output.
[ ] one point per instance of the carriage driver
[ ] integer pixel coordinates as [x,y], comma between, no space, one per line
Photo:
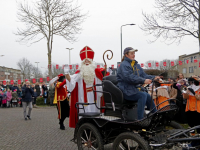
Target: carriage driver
[130,76]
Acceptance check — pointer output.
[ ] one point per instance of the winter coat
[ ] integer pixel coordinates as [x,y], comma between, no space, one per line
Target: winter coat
[9,96]
[130,78]
[27,92]
[14,95]
[35,94]
[45,94]
[51,91]
[14,88]
[37,87]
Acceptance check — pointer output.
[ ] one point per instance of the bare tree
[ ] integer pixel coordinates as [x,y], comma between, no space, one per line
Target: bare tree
[36,72]
[46,18]
[25,67]
[55,71]
[173,20]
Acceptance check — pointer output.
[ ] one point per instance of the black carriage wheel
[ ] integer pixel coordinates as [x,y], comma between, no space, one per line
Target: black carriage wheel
[174,125]
[130,141]
[89,138]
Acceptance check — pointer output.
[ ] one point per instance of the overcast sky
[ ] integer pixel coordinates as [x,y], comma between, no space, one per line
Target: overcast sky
[101,31]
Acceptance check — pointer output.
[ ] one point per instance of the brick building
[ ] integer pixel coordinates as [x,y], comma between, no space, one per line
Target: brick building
[7,74]
[190,68]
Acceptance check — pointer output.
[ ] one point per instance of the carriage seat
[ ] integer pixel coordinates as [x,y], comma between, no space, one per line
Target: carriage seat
[110,86]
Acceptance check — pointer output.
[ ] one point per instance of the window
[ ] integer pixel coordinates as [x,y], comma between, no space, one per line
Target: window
[191,70]
[184,70]
[191,59]
[195,57]
[185,61]
[195,67]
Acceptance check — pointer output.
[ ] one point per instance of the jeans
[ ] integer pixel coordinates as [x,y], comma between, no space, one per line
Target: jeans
[45,100]
[25,104]
[142,99]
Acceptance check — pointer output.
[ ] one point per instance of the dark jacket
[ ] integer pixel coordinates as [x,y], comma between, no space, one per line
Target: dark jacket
[28,93]
[35,94]
[129,78]
[14,88]
[37,87]
[51,91]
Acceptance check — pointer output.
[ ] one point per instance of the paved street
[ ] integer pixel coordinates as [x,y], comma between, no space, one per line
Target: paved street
[40,133]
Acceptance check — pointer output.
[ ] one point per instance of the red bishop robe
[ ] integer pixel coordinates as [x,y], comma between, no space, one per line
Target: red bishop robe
[75,93]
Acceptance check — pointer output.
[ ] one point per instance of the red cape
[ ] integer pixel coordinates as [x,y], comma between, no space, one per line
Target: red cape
[73,119]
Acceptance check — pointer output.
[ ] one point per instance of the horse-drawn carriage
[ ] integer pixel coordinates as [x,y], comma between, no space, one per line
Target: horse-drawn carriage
[118,124]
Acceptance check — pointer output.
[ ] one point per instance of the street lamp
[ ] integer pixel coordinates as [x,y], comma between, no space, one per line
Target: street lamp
[121,35]
[69,55]
[37,71]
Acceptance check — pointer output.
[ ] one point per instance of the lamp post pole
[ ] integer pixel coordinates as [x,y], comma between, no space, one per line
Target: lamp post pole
[69,55]
[37,71]
[121,35]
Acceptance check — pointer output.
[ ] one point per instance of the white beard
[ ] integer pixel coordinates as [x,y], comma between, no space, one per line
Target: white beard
[88,72]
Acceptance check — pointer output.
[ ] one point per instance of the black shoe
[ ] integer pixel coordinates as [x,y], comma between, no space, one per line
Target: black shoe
[29,117]
[25,118]
[62,127]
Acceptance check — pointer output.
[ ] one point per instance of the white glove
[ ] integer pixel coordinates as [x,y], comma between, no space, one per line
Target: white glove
[66,69]
[53,80]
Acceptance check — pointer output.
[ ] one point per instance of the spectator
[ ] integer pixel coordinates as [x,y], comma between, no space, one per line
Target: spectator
[33,87]
[4,99]
[3,86]
[34,98]
[51,93]
[1,97]
[8,97]
[37,87]
[14,97]
[8,86]
[27,99]
[15,87]
[20,96]
[45,92]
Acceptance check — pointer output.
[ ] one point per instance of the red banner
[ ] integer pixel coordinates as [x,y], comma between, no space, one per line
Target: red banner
[98,66]
[164,64]
[149,64]
[187,61]
[70,66]
[157,64]
[112,66]
[76,67]
[11,82]
[199,64]
[49,66]
[57,66]
[19,82]
[142,65]
[180,62]
[48,78]
[172,63]
[26,80]
[195,60]
[4,82]
[41,80]
[34,80]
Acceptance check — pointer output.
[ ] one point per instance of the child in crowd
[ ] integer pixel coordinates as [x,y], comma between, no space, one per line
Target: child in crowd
[14,98]
[9,97]
[4,99]
[34,98]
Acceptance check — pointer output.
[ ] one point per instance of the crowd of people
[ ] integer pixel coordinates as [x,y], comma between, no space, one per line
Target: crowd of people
[11,95]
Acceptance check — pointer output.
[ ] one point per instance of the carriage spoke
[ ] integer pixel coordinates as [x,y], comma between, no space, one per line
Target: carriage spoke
[121,147]
[93,141]
[86,134]
[93,148]
[90,135]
